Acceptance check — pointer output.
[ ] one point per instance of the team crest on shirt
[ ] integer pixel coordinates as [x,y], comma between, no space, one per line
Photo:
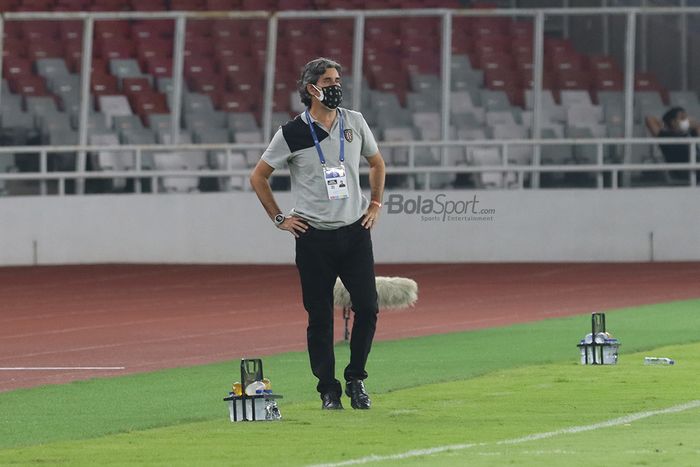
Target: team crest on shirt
[348,136]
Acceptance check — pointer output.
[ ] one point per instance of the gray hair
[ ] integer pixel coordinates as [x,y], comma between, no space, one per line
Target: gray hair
[311,73]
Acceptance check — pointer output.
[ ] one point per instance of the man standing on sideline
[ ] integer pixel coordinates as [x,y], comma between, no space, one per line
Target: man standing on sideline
[331,221]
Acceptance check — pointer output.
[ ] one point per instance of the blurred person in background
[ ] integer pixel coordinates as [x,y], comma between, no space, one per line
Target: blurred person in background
[675,123]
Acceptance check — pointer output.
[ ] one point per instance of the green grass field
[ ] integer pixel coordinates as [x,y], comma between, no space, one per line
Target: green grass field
[481,392]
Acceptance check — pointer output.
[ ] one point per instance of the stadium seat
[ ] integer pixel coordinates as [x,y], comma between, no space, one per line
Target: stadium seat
[112,106]
[109,159]
[500,117]
[125,67]
[130,122]
[104,85]
[578,114]
[687,99]
[427,124]
[494,100]
[488,156]
[569,98]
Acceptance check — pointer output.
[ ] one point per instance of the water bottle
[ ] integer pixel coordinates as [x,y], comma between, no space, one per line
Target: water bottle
[658,361]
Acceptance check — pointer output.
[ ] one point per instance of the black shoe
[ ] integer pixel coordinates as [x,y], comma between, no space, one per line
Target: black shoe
[355,390]
[331,401]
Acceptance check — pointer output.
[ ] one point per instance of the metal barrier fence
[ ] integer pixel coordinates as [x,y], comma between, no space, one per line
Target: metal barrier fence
[515,173]
[446,17]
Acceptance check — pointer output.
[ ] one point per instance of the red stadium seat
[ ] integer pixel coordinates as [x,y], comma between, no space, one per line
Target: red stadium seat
[228,29]
[235,65]
[420,27]
[70,30]
[44,49]
[495,61]
[526,78]
[646,81]
[249,5]
[116,48]
[490,26]
[421,63]
[500,79]
[603,62]
[187,5]
[234,102]
[244,83]
[223,5]
[608,80]
[104,84]
[39,30]
[198,28]
[295,5]
[522,30]
[27,85]
[131,86]
[149,5]
[14,47]
[198,66]
[556,46]
[153,28]
[15,67]
[564,61]
[199,47]
[153,47]
[110,5]
[390,80]
[72,5]
[8,5]
[34,5]
[207,83]
[112,29]
[146,103]
[520,47]
[280,101]
[159,66]
[257,30]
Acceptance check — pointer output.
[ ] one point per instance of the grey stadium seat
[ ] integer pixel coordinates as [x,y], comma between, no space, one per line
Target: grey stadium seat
[126,68]
[38,105]
[397,156]
[494,100]
[204,119]
[50,67]
[127,123]
[424,82]
[159,122]
[422,102]
[242,121]
[687,99]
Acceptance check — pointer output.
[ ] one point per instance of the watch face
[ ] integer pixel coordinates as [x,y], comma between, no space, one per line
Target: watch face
[279,218]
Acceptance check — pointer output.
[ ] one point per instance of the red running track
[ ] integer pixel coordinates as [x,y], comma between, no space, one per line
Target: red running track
[146,317]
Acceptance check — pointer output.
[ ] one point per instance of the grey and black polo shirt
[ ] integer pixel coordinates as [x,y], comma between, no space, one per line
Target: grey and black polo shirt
[293,145]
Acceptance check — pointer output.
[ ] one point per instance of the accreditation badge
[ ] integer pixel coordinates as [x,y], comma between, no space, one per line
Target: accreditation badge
[336,182]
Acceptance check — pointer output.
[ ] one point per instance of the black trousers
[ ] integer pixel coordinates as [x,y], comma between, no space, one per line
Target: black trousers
[321,257]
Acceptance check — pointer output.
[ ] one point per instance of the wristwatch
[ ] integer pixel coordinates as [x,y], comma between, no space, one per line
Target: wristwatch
[279,218]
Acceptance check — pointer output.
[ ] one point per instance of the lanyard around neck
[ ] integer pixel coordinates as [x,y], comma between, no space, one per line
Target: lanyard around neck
[341,130]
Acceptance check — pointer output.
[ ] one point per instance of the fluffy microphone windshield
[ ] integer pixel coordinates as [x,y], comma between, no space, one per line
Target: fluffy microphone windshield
[392,292]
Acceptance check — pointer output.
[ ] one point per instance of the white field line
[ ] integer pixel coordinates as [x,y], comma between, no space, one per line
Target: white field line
[533,437]
[61,368]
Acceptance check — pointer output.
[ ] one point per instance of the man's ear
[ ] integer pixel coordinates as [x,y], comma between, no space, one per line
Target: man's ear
[311,89]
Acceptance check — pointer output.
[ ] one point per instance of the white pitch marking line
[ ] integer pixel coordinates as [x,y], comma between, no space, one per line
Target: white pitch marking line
[61,368]
[533,437]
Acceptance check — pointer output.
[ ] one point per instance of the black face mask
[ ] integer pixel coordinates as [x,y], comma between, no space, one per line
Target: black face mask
[331,96]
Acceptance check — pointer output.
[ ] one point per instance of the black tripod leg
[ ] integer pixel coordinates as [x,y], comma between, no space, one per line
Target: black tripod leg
[346,317]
